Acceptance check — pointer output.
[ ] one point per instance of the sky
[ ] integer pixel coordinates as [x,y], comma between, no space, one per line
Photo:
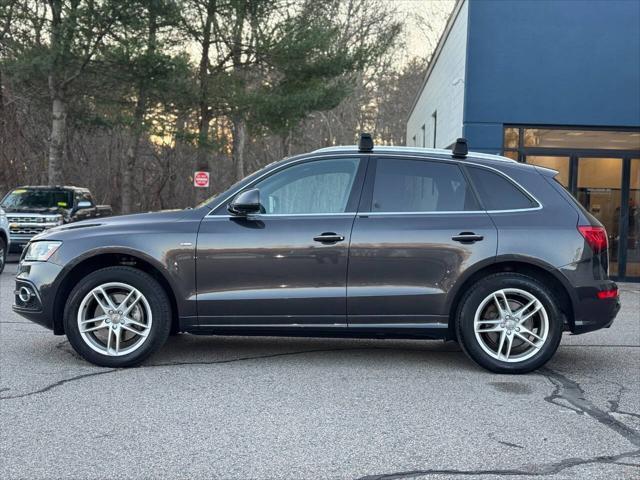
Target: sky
[425,21]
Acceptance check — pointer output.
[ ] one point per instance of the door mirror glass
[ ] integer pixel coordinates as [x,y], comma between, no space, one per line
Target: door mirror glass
[84,204]
[245,203]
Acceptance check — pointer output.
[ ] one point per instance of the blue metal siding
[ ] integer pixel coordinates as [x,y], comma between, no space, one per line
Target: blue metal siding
[560,62]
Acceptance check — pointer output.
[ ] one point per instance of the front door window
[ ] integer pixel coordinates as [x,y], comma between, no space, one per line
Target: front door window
[313,187]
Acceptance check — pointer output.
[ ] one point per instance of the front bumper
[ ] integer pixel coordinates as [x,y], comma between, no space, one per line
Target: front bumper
[40,279]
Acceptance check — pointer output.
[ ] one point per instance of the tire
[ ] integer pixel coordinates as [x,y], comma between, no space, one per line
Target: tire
[480,326]
[3,254]
[141,306]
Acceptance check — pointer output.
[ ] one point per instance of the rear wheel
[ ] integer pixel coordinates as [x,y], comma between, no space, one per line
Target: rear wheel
[509,323]
[117,317]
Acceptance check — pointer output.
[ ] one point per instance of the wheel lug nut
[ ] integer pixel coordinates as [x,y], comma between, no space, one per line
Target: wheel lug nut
[108,320]
[517,329]
[119,312]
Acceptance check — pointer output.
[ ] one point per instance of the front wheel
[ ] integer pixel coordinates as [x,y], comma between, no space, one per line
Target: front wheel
[509,323]
[117,317]
[3,254]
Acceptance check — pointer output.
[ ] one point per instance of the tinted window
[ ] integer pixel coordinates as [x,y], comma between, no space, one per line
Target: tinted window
[322,186]
[420,186]
[31,198]
[497,192]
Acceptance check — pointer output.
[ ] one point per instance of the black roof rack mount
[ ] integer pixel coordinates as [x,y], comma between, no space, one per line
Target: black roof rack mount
[366,143]
[460,149]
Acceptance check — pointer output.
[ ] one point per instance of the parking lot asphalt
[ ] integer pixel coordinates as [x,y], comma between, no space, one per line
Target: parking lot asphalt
[291,408]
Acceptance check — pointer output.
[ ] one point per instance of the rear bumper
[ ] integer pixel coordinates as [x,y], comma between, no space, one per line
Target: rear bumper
[592,313]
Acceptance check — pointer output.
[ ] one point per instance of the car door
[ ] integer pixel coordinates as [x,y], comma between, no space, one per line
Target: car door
[287,265]
[418,228]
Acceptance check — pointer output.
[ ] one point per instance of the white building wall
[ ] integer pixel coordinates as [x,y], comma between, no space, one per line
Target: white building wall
[443,91]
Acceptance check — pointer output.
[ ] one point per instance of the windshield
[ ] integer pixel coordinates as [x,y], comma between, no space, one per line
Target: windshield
[24,198]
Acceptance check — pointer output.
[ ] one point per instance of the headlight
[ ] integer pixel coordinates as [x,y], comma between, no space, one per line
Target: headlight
[41,251]
[57,219]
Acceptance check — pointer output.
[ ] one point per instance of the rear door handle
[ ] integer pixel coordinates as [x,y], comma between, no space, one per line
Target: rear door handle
[328,237]
[467,237]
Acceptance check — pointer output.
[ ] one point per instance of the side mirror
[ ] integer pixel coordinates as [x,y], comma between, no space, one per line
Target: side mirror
[84,204]
[245,203]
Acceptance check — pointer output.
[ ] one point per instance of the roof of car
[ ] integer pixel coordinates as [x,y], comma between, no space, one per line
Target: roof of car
[414,150]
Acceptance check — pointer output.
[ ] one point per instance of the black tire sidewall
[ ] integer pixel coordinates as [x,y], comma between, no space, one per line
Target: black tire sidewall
[483,288]
[5,252]
[150,288]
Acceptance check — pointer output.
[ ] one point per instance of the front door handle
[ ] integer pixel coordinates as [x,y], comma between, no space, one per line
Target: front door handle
[467,237]
[328,237]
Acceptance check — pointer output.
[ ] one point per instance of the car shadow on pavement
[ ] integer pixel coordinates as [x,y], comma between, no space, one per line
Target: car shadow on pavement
[186,349]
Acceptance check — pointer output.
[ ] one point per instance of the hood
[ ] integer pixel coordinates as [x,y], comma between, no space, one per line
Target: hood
[49,210]
[126,223]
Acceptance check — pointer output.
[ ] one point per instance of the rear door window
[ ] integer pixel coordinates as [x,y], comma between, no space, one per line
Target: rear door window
[497,192]
[414,185]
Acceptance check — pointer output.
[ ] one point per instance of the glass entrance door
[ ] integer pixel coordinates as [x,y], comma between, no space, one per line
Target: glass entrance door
[599,188]
[560,163]
[633,221]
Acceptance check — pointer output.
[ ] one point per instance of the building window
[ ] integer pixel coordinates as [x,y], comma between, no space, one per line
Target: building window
[599,167]
[434,115]
[424,136]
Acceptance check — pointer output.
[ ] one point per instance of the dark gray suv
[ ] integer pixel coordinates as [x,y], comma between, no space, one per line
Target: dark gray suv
[384,242]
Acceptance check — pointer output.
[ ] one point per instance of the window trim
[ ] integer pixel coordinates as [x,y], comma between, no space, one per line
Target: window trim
[368,187]
[368,164]
[354,195]
[367,195]
[523,190]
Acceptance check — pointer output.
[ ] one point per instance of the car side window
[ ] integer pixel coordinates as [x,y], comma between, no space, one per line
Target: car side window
[407,185]
[321,186]
[87,197]
[497,192]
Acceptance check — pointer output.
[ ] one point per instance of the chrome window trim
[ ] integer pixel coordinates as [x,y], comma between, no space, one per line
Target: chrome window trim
[391,155]
[435,325]
[296,215]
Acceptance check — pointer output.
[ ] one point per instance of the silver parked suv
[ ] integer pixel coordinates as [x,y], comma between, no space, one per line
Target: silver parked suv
[4,239]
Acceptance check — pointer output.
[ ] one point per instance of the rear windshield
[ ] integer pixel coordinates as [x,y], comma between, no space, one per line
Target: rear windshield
[25,198]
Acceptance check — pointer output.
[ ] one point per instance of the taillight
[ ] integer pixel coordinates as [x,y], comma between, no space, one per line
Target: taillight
[613,293]
[596,237]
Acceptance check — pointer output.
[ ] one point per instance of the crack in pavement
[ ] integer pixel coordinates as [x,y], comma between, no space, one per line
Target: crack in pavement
[533,471]
[614,405]
[571,391]
[173,364]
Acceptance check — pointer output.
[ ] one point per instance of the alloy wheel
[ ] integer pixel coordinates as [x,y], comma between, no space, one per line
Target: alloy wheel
[511,325]
[114,319]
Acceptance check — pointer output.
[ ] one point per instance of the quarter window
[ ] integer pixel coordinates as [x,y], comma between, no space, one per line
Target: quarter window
[403,185]
[321,186]
[497,192]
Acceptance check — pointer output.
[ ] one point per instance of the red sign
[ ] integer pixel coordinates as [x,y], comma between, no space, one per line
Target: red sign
[201,179]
